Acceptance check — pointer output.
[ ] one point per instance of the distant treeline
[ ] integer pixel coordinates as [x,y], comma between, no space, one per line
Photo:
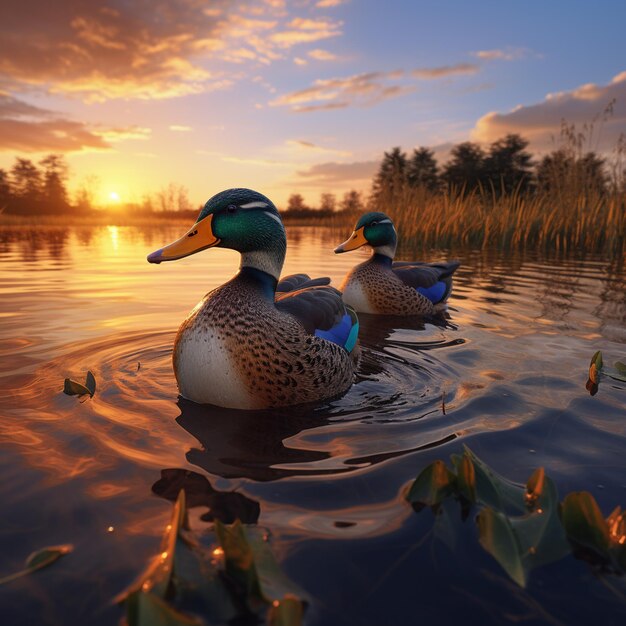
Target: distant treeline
[506,167]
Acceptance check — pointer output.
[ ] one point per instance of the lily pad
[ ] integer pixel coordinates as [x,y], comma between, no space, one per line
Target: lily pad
[38,560]
[146,609]
[595,367]
[434,483]
[466,478]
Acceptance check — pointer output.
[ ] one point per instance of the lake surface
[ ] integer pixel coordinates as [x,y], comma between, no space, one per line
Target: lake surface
[504,374]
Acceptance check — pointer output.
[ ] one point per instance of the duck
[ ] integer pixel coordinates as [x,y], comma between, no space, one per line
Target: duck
[382,286]
[257,342]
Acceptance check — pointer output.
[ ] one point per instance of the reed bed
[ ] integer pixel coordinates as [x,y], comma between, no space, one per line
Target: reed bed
[480,220]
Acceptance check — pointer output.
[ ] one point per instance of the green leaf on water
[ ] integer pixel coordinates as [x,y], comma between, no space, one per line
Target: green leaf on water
[38,560]
[250,561]
[497,537]
[583,522]
[619,373]
[494,490]
[434,483]
[146,609]
[287,612]
[620,367]
[466,478]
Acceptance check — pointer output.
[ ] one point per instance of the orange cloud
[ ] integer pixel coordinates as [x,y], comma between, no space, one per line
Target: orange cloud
[541,122]
[322,55]
[27,128]
[460,69]
[506,54]
[332,173]
[335,93]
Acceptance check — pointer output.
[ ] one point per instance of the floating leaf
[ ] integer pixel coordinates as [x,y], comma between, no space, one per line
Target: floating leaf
[617,535]
[619,373]
[72,388]
[595,366]
[494,490]
[287,612]
[584,524]
[466,478]
[434,483]
[146,609]
[38,560]
[620,367]
[534,487]
[90,383]
[497,537]
[250,561]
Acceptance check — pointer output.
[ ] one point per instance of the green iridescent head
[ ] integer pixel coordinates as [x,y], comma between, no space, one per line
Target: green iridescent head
[374,229]
[240,219]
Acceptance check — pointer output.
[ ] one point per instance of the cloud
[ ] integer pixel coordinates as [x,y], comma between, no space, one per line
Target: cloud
[301,145]
[333,173]
[27,128]
[140,49]
[299,61]
[179,128]
[443,71]
[505,54]
[322,55]
[324,4]
[335,93]
[303,30]
[541,122]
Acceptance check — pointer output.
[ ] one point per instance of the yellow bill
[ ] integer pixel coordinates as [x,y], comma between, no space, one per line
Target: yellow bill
[356,240]
[199,237]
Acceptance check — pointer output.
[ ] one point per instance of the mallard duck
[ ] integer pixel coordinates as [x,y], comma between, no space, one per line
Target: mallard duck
[255,342]
[382,286]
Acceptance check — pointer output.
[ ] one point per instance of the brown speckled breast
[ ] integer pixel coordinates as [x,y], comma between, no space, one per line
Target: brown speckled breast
[372,288]
[237,350]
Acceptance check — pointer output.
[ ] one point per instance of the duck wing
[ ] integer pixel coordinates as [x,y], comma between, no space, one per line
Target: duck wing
[300,281]
[321,312]
[432,280]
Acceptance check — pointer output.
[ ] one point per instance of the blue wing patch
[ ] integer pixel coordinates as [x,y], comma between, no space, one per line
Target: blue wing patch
[344,333]
[436,293]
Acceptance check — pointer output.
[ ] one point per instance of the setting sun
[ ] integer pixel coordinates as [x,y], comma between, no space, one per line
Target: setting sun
[114,197]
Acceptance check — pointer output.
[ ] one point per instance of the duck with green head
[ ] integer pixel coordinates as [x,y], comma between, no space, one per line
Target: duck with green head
[382,286]
[255,342]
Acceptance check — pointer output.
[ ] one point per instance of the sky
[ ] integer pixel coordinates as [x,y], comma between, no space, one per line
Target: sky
[294,97]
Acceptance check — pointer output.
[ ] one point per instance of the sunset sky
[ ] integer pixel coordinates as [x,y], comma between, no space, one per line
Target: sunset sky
[299,96]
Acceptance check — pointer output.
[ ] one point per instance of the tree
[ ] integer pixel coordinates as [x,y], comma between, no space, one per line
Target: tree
[391,176]
[54,178]
[5,190]
[352,202]
[26,180]
[562,171]
[85,195]
[328,202]
[508,166]
[295,202]
[422,170]
[465,169]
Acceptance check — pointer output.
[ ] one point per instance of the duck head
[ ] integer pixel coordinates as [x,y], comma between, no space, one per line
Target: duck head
[239,219]
[373,229]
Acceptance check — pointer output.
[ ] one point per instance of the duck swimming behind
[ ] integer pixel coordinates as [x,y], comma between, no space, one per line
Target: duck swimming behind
[383,287]
[254,342]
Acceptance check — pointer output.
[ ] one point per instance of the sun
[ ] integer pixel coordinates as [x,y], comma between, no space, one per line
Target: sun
[114,196]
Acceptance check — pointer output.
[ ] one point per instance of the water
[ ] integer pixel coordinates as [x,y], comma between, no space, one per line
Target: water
[508,367]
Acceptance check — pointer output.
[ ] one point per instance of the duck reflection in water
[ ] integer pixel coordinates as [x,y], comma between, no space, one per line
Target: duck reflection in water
[251,444]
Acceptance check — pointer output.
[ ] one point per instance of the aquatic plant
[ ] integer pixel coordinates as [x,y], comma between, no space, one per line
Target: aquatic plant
[235,576]
[522,527]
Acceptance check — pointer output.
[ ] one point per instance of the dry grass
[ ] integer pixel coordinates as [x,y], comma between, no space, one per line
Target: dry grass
[523,222]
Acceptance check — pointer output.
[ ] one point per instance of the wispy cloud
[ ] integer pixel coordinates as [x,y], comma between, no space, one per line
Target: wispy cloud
[180,128]
[502,54]
[334,93]
[322,55]
[324,4]
[541,122]
[333,173]
[308,147]
[27,128]
[303,30]
[444,71]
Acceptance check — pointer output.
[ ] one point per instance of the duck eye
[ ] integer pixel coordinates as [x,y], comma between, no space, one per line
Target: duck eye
[373,223]
[231,208]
